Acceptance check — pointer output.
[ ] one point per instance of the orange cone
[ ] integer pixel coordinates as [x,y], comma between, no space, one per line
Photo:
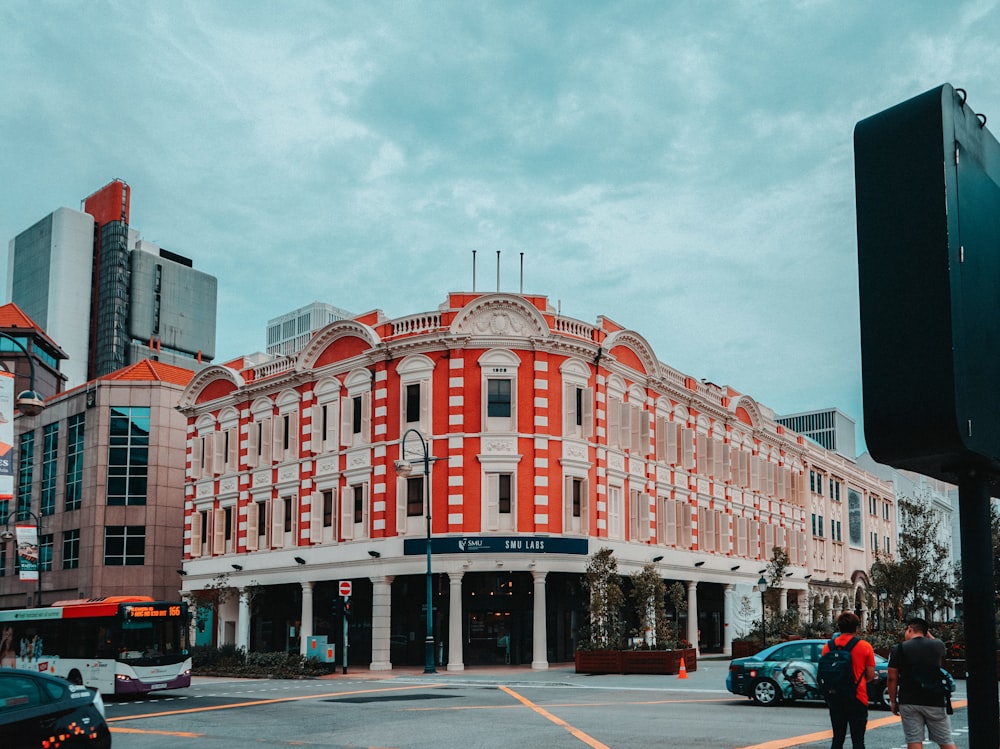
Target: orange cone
[683,672]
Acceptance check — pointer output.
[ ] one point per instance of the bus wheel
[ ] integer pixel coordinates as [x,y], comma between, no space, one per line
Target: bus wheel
[75,678]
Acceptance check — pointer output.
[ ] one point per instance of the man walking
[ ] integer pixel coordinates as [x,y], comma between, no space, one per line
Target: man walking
[914,673]
[852,712]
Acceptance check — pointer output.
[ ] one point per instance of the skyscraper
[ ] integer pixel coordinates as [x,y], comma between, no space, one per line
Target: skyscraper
[112,299]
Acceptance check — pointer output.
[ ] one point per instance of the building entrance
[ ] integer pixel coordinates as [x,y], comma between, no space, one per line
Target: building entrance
[489,637]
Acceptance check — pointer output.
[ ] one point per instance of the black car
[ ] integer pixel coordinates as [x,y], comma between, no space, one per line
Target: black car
[787,671]
[38,710]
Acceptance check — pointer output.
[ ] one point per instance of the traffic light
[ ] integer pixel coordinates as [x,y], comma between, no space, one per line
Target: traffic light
[347,608]
[336,608]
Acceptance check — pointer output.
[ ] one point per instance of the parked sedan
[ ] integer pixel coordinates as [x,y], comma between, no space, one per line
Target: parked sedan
[787,671]
[38,710]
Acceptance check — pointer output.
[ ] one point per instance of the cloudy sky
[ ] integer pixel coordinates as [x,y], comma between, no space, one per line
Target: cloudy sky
[684,168]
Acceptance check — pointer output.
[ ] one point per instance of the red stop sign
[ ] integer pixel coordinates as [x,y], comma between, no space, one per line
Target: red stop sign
[345,588]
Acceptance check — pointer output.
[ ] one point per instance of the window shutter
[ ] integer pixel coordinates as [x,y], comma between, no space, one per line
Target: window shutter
[401,501]
[332,422]
[754,550]
[347,422]
[724,455]
[197,450]
[643,418]
[253,530]
[633,514]
[277,522]
[624,425]
[492,502]
[293,436]
[585,508]
[316,435]
[673,442]
[768,540]
[741,537]
[425,406]
[214,459]
[252,444]
[347,513]
[278,438]
[366,418]
[670,522]
[588,412]
[802,547]
[196,534]
[316,517]
[218,531]
[643,516]
[661,439]
[684,521]
[706,460]
[721,533]
[614,422]
[755,473]
[687,461]
[568,504]
[265,441]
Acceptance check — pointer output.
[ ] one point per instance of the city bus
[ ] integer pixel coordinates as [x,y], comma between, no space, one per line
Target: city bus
[119,645]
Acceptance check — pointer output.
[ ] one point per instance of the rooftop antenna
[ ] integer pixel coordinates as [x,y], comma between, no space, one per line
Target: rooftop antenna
[498,271]
[473,271]
[522,272]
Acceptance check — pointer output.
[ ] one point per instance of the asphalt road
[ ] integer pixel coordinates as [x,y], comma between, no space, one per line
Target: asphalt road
[482,709]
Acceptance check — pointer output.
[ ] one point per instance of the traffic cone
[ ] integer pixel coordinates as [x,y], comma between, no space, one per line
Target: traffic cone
[683,672]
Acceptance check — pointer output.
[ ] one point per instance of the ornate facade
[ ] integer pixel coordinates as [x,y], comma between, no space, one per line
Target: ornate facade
[547,438]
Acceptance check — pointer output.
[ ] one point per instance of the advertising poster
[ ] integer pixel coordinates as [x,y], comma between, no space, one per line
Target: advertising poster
[6,436]
[27,551]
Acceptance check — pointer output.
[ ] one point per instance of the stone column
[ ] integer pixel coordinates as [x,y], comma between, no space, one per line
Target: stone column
[539,632]
[306,623]
[455,661]
[381,622]
[783,600]
[727,619]
[692,633]
[243,621]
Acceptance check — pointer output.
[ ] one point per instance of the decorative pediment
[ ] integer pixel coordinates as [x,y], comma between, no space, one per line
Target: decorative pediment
[500,316]
[212,382]
[746,410]
[339,340]
[636,352]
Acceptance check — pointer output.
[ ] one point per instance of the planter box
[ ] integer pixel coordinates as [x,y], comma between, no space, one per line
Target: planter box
[744,648]
[635,661]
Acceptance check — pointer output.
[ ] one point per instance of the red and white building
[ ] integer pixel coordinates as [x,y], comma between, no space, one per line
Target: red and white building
[549,438]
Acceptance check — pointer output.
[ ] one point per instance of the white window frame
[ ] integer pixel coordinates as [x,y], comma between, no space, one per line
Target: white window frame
[499,364]
[416,370]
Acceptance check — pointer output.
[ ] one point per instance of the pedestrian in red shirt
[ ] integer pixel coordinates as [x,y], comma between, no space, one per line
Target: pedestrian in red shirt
[853,712]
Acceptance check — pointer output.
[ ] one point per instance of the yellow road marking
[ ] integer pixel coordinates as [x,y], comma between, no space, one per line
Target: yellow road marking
[179,734]
[269,702]
[809,738]
[585,738]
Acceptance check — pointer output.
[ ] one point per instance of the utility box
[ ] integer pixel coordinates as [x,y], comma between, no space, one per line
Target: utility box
[928,206]
[317,647]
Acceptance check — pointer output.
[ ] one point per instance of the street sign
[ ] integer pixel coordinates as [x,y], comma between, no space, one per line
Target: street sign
[345,588]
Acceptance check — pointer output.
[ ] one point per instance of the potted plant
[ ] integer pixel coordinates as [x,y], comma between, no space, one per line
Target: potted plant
[653,647]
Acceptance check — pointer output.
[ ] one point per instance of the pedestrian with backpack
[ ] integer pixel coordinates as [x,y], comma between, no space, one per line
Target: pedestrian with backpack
[846,665]
[919,692]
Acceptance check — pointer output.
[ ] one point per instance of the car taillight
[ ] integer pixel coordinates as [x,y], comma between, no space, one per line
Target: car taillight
[753,673]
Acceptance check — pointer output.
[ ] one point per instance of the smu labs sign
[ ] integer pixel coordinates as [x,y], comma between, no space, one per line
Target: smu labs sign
[497,545]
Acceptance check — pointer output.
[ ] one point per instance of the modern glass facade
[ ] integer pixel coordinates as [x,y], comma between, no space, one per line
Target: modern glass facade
[128,456]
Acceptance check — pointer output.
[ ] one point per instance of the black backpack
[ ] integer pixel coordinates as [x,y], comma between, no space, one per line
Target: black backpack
[835,673]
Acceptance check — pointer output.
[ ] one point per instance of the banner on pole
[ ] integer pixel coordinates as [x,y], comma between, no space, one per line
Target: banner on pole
[6,436]
[27,551]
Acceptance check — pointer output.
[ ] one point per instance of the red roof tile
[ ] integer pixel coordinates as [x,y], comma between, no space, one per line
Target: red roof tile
[12,316]
[148,370]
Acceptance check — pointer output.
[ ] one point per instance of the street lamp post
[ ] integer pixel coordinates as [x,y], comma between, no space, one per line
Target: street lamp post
[762,587]
[7,535]
[403,469]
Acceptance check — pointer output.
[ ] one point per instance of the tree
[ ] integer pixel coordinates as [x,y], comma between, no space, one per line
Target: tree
[603,584]
[914,579]
[648,592]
